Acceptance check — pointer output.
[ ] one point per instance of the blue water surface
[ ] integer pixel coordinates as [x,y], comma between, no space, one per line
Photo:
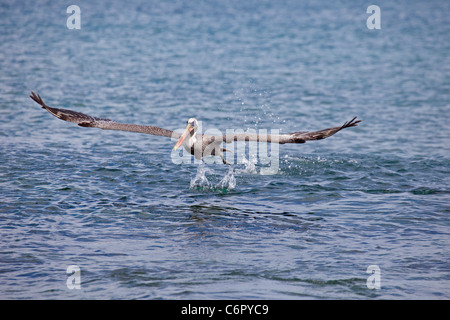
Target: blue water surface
[139,225]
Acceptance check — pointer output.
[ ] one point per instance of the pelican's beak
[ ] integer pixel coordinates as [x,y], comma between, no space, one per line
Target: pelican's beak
[186,132]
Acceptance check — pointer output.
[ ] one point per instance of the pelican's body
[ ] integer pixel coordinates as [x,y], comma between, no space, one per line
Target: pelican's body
[199,145]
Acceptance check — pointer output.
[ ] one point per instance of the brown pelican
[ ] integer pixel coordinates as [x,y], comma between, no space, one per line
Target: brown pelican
[199,145]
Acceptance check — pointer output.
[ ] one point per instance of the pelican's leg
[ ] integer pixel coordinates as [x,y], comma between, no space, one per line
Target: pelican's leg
[223,159]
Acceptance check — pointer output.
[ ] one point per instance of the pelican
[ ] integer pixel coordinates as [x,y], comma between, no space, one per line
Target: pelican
[199,145]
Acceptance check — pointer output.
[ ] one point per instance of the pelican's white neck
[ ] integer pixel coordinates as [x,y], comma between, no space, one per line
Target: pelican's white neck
[193,139]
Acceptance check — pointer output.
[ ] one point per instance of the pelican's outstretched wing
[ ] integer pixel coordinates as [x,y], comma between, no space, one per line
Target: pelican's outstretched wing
[85,120]
[294,137]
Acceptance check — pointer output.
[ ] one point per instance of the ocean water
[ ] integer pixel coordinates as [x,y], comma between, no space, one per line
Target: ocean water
[139,225]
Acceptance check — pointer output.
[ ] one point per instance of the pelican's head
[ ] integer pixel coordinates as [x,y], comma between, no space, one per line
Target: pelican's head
[191,129]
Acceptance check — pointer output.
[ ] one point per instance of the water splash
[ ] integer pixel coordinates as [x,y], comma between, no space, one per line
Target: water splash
[228,182]
[249,165]
[201,182]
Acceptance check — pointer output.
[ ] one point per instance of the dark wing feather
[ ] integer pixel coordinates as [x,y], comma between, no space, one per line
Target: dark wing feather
[302,137]
[294,137]
[85,120]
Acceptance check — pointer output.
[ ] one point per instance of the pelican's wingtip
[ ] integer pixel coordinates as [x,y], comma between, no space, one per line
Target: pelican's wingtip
[37,98]
[351,123]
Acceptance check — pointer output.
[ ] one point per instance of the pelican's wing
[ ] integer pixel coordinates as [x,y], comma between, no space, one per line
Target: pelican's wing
[294,137]
[85,120]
